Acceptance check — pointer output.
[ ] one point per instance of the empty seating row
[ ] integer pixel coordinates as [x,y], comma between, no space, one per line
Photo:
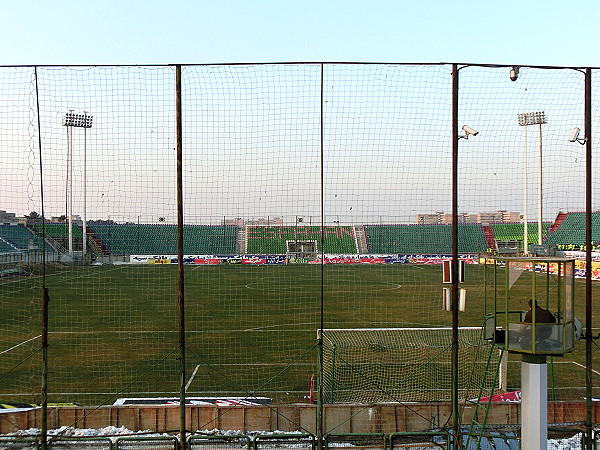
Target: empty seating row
[572,230]
[515,231]
[58,230]
[336,239]
[6,247]
[424,239]
[17,238]
[124,239]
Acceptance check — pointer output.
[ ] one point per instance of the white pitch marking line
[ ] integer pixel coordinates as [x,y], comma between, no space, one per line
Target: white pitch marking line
[24,342]
[192,377]
[580,365]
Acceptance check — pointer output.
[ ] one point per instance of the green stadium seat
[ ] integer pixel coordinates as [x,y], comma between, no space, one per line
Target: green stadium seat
[17,238]
[505,232]
[58,230]
[144,239]
[424,239]
[571,231]
[272,240]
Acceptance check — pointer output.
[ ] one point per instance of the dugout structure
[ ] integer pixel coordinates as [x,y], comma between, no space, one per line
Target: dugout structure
[368,365]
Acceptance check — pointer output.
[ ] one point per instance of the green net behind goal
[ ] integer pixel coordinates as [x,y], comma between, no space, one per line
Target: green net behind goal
[406,364]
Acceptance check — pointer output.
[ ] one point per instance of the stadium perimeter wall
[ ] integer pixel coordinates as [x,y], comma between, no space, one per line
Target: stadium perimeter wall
[338,418]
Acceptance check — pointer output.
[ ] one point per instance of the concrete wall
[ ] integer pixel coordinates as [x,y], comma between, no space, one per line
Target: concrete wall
[380,418]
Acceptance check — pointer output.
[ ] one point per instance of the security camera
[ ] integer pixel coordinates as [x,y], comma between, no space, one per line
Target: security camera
[514,73]
[469,130]
[574,135]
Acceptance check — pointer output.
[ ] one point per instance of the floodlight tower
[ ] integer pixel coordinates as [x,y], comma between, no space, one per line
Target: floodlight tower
[533,118]
[84,121]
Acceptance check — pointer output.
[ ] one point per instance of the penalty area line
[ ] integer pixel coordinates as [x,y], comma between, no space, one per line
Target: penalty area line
[577,364]
[19,344]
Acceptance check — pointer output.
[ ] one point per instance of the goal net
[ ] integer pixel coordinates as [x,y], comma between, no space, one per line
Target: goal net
[407,365]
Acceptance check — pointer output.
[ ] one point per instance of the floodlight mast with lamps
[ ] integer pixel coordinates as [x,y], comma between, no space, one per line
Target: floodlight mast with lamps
[84,121]
[526,119]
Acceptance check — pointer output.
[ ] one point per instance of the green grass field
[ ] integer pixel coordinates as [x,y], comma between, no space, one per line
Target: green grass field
[249,329]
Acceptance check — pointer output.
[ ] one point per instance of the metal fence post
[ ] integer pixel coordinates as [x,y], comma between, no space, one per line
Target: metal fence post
[588,258]
[454,267]
[180,273]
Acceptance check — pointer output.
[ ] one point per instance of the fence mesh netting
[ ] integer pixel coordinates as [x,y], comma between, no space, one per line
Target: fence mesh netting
[314,196]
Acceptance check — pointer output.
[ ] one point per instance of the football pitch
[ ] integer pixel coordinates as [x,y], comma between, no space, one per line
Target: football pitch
[250,330]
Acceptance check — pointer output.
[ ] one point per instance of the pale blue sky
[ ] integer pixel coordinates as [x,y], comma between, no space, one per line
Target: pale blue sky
[389,123]
[534,32]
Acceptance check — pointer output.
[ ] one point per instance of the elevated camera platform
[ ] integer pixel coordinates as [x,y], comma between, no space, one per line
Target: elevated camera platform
[529,309]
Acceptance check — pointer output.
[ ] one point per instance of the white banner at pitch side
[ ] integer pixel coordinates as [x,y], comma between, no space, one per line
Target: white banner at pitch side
[285,259]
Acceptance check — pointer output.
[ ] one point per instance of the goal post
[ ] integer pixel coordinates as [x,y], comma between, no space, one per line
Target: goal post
[366,365]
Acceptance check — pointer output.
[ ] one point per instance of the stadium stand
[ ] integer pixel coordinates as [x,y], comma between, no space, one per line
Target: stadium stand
[58,235]
[6,247]
[514,231]
[489,237]
[558,221]
[145,239]
[273,240]
[16,238]
[124,239]
[571,231]
[424,239]
[58,230]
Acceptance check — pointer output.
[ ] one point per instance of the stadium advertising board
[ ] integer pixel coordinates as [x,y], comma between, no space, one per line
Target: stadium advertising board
[505,397]
[204,261]
[579,255]
[254,260]
[580,269]
[284,259]
[435,259]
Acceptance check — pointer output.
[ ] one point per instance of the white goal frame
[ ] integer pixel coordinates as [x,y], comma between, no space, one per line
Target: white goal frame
[367,365]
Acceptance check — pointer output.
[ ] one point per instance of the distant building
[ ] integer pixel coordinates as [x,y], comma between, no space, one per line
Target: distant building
[7,218]
[508,216]
[239,222]
[267,221]
[430,219]
[489,217]
[440,218]
[462,218]
[500,216]
[484,218]
[75,218]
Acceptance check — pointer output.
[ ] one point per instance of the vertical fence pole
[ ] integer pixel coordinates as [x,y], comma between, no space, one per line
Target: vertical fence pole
[454,266]
[44,428]
[45,296]
[180,291]
[321,319]
[588,257]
